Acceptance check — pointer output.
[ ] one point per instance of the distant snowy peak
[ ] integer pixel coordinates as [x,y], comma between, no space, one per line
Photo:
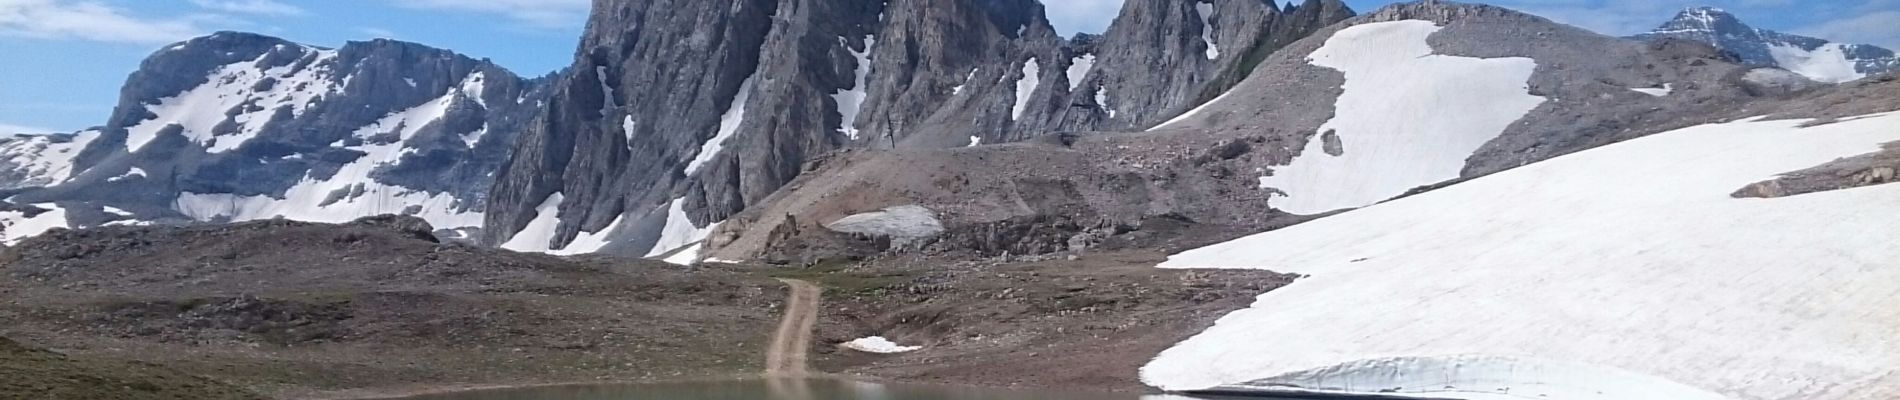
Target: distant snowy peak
[238,126]
[1817,59]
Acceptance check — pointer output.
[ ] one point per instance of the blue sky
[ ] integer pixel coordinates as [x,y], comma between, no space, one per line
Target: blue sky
[62,61]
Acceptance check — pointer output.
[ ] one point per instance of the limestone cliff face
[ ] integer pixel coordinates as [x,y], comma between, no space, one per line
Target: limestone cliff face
[678,114]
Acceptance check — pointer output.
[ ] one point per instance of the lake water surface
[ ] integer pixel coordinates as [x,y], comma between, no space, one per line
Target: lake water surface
[785,390]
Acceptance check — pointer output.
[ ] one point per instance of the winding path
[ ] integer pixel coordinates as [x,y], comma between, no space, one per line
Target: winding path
[785,357]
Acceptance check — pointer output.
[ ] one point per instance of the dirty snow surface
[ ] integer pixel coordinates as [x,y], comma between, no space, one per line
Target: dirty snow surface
[1622,272]
[851,101]
[903,224]
[878,344]
[1407,117]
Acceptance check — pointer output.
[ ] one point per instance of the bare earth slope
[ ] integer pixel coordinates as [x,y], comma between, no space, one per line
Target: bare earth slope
[374,307]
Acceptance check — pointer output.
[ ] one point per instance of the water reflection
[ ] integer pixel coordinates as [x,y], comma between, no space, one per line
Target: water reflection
[785,389]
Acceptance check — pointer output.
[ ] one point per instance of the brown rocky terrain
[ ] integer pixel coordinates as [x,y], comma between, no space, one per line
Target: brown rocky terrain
[377,307]
[298,310]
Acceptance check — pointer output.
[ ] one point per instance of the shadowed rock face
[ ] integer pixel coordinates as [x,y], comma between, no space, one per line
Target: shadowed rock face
[649,116]
[248,123]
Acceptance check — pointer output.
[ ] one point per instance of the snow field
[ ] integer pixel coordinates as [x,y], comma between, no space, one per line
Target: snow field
[1407,118]
[1626,270]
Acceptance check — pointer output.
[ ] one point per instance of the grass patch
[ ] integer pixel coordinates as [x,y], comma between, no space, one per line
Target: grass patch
[833,275]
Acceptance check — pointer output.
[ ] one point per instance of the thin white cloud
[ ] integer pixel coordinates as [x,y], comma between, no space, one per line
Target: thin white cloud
[7,129]
[375,32]
[92,21]
[1880,28]
[546,14]
[258,7]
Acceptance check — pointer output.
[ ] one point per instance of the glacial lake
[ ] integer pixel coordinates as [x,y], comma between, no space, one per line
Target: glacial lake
[788,390]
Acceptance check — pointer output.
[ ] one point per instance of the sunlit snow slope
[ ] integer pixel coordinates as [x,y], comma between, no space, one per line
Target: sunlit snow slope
[1623,272]
[1406,118]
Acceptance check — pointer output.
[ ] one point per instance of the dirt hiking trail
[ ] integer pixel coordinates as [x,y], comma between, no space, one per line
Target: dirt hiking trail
[792,342]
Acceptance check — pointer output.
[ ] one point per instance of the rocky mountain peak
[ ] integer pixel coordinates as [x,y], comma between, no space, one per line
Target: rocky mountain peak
[1705,18]
[240,126]
[1814,58]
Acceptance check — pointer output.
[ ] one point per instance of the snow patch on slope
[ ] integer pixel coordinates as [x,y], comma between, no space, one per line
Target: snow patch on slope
[1629,257]
[958,89]
[540,231]
[851,100]
[590,242]
[1184,116]
[236,88]
[1406,117]
[1828,63]
[15,226]
[1032,77]
[1079,69]
[134,172]
[1665,90]
[678,232]
[610,100]
[40,160]
[351,192]
[1206,13]
[879,345]
[728,126]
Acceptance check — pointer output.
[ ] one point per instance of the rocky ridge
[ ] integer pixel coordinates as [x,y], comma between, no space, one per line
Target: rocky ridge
[238,126]
[640,158]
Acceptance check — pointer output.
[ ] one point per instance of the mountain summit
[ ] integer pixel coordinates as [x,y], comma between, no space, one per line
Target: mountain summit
[1814,58]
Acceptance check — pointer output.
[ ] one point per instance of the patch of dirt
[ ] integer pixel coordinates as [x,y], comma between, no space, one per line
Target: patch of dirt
[1072,320]
[303,310]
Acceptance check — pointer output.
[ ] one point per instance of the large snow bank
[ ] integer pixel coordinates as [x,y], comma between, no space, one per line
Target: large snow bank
[1407,118]
[1623,267]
